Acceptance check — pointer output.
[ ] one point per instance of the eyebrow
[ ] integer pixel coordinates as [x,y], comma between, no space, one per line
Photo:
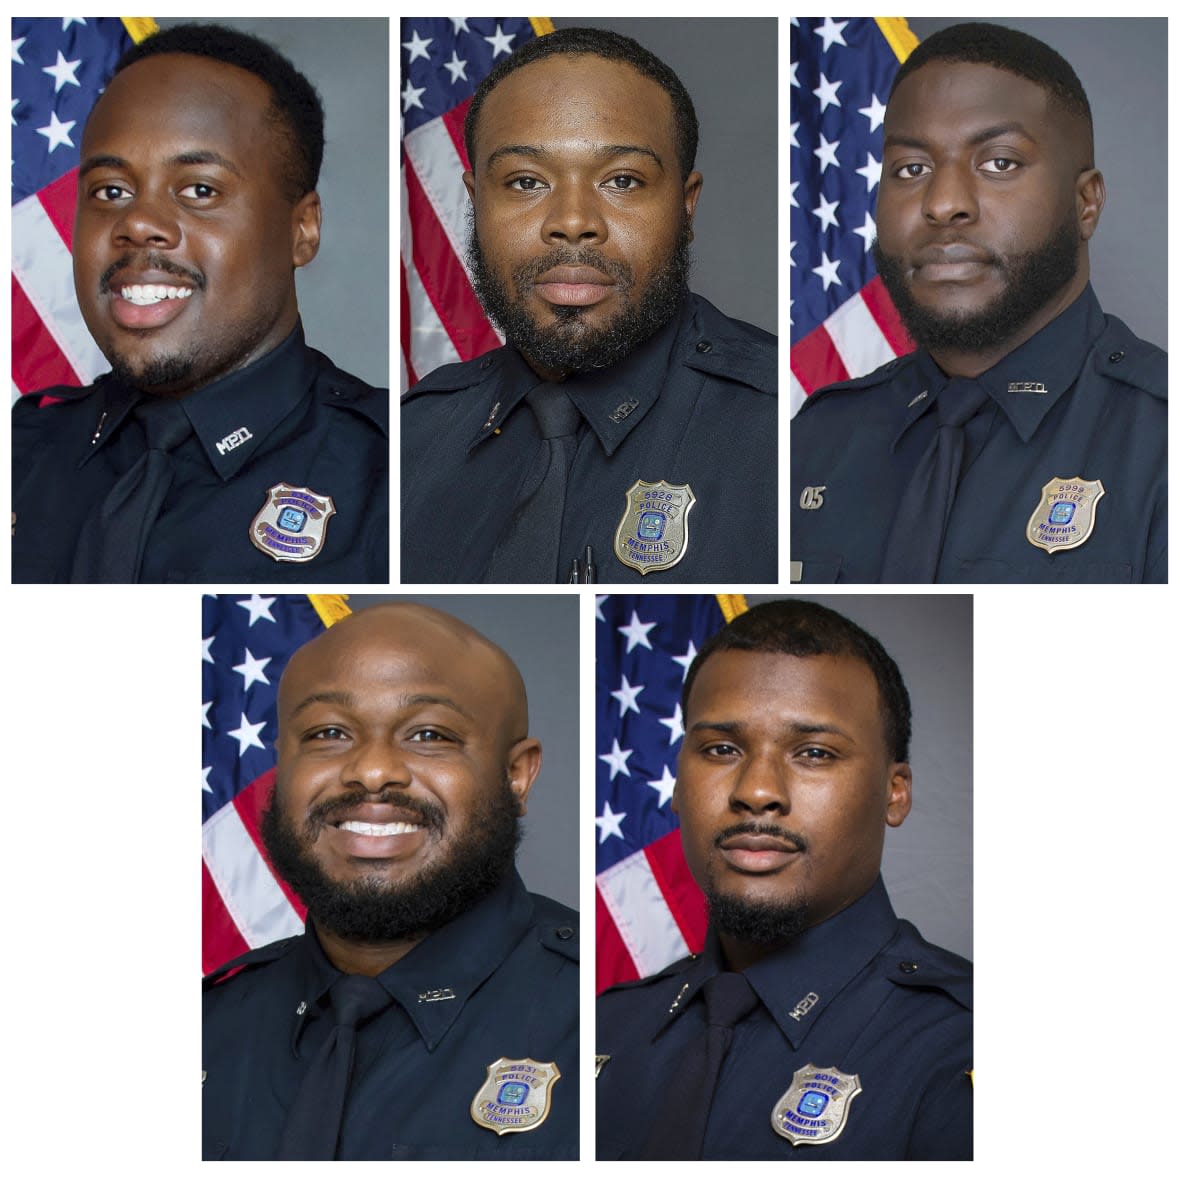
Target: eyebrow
[978,138]
[348,700]
[795,728]
[607,151]
[203,156]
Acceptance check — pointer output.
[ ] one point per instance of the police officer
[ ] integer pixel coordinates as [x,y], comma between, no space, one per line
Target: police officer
[815,1025]
[1025,440]
[220,447]
[627,431]
[429,1011]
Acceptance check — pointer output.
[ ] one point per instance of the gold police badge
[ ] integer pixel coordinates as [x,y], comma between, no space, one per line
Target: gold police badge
[653,533]
[815,1107]
[516,1096]
[292,523]
[1064,518]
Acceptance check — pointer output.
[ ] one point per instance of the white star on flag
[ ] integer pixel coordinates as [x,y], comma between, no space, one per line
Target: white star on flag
[826,153]
[626,695]
[206,650]
[675,725]
[827,212]
[258,607]
[665,785]
[501,42]
[205,722]
[205,779]
[608,824]
[457,68]
[17,42]
[246,735]
[636,632]
[417,46]
[57,132]
[874,112]
[868,231]
[826,93]
[412,96]
[827,271]
[63,72]
[832,33]
[252,670]
[685,661]
[616,759]
[871,171]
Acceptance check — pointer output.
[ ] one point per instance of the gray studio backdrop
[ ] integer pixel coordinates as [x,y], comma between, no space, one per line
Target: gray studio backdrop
[344,292]
[1123,64]
[540,632]
[730,68]
[928,860]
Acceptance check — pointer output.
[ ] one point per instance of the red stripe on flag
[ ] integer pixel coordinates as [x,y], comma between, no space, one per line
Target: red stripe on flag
[59,199]
[881,307]
[407,328]
[220,938]
[444,279]
[453,121]
[37,362]
[249,803]
[613,961]
[684,898]
[815,361]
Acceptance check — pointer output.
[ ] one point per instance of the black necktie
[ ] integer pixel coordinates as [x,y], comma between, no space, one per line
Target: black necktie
[530,548]
[919,528]
[679,1130]
[312,1128]
[111,546]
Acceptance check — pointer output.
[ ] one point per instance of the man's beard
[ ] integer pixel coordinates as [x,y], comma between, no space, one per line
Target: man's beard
[1031,281]
[568,344]
[373,910]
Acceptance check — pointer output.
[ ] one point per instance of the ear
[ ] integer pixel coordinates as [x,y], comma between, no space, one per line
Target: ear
[306,217]
[901,781]
[692,194]
[1090,193]
[524,764]
[469,184]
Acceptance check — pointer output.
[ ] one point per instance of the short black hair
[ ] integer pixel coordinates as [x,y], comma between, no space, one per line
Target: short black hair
[1006,49]
[796,627]
[613,47]
[295,103]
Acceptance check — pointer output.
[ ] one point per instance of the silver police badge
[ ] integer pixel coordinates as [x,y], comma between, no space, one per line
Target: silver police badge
[653,533]
[292,523]
[516,1096]
[1064,518]
[815,1107]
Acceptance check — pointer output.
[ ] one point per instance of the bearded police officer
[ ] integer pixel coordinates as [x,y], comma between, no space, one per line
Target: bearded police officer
[1025,440]
[430,1009]
[627,431]
[815,1025]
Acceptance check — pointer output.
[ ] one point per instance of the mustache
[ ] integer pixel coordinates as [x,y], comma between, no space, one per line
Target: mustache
[750,828]
[152,260]
[423,812]
[528,273]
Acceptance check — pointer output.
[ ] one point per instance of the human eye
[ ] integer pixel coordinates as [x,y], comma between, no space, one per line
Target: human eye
[199,191]
[327,733]
[526,184]
[624,183]
[816,755]
[427,735]
[911,170]
[1000,165]
[720,750]
[110,192]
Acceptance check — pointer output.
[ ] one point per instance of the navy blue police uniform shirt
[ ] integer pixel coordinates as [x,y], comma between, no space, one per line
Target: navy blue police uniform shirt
[291,417]
[694,405]
[1083,401]
[501,981]
[861,995]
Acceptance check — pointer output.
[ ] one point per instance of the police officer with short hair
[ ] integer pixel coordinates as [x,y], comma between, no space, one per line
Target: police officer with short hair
[220,448]
[430,1009]
[815,1025]
[1025,440]
[627,432]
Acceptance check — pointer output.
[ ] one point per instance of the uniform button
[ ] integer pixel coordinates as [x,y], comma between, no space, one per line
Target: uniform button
[565,932]
[486,364]
[704,346]
[908,968]
[1115,357]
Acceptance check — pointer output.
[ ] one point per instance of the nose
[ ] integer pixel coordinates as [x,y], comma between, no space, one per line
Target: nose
[147,220]
[949,196]
[761,786]
[573,216]
[374,765]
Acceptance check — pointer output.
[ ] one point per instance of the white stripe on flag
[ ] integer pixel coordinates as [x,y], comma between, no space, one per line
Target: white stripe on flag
[258,907]
[641,915]
[43,268]
[439,169]
[858,338]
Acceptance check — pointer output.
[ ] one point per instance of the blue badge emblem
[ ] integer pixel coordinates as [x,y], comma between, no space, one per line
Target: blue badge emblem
[292,520]
[812,1104]
[513,1093]
[651,526]
[1062,513]
[292,523]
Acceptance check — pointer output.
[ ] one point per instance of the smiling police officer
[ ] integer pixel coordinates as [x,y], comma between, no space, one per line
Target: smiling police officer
[430,1009]
[627,431]
[815,1025]
[220,447]
[1025,440]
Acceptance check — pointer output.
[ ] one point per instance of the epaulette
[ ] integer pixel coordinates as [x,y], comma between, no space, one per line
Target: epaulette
[453,378]
[254,958]
[335,387]
[923,966]
[733,349]
[887,372]
[677,968]
[26,406]
[557,927]
[1120,355]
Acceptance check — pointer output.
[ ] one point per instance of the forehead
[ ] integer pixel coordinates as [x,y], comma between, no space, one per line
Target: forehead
[576,99]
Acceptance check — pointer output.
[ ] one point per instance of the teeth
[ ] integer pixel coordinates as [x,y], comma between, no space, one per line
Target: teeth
[145,294]
[377,829]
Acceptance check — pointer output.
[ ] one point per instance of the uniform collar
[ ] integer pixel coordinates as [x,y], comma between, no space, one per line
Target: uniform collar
[797,983]
[433,983]
[233,415]
[1027,382]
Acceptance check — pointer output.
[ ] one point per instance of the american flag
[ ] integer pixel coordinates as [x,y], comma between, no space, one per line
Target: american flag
[649,910]
[843,324]
[59,67]
[444,59]
[247,641]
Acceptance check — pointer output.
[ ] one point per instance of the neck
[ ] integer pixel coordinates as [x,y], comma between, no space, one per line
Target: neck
[740,955]
[363,958]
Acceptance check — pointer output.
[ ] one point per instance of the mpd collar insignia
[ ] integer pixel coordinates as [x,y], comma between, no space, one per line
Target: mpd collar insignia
[516,1096]
[815,1107]
[600,1059]
[1064,518]
[653,532]
[292,523]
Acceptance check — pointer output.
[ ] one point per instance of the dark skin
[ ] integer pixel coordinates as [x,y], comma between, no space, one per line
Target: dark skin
[977,162]
[796,745]
[573,151]
[397,696]
[181,186]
